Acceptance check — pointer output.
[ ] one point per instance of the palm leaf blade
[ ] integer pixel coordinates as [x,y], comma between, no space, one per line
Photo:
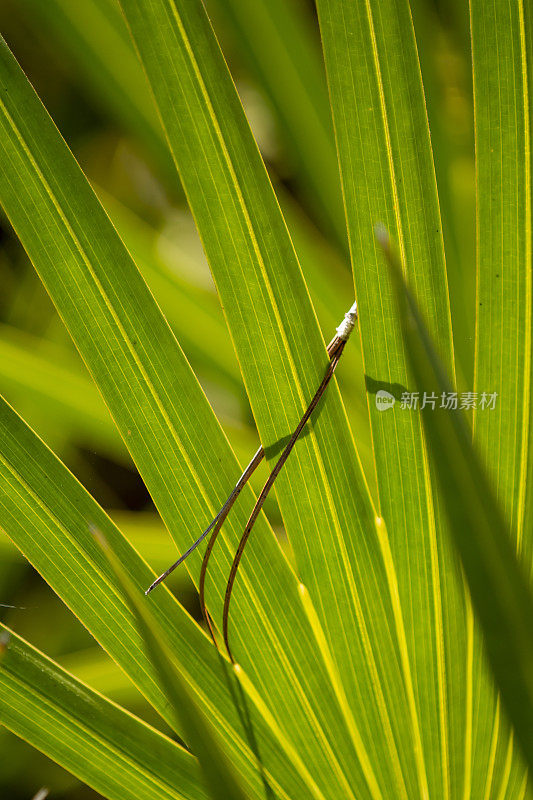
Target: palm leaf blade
[104,746]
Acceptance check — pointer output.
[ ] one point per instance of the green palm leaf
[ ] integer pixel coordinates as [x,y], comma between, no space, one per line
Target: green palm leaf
[380,120]
[498,585]
[503,314]
[165,428]
[268,294]
[107,748]
[217,773]
[50,516]
[361,668]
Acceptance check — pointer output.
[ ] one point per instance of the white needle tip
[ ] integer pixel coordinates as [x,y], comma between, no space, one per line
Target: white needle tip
[347,325]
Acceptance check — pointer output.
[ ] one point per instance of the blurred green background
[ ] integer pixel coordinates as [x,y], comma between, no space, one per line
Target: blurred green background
[78,57]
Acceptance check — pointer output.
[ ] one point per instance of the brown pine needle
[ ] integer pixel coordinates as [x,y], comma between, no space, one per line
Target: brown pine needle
[332,349]
[221,516]
[268,486]
[335,349]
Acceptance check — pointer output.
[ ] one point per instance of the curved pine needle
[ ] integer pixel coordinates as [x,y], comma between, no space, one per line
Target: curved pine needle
[221,516]
[219,520]
[338,348]
[333,346]
[224,511]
